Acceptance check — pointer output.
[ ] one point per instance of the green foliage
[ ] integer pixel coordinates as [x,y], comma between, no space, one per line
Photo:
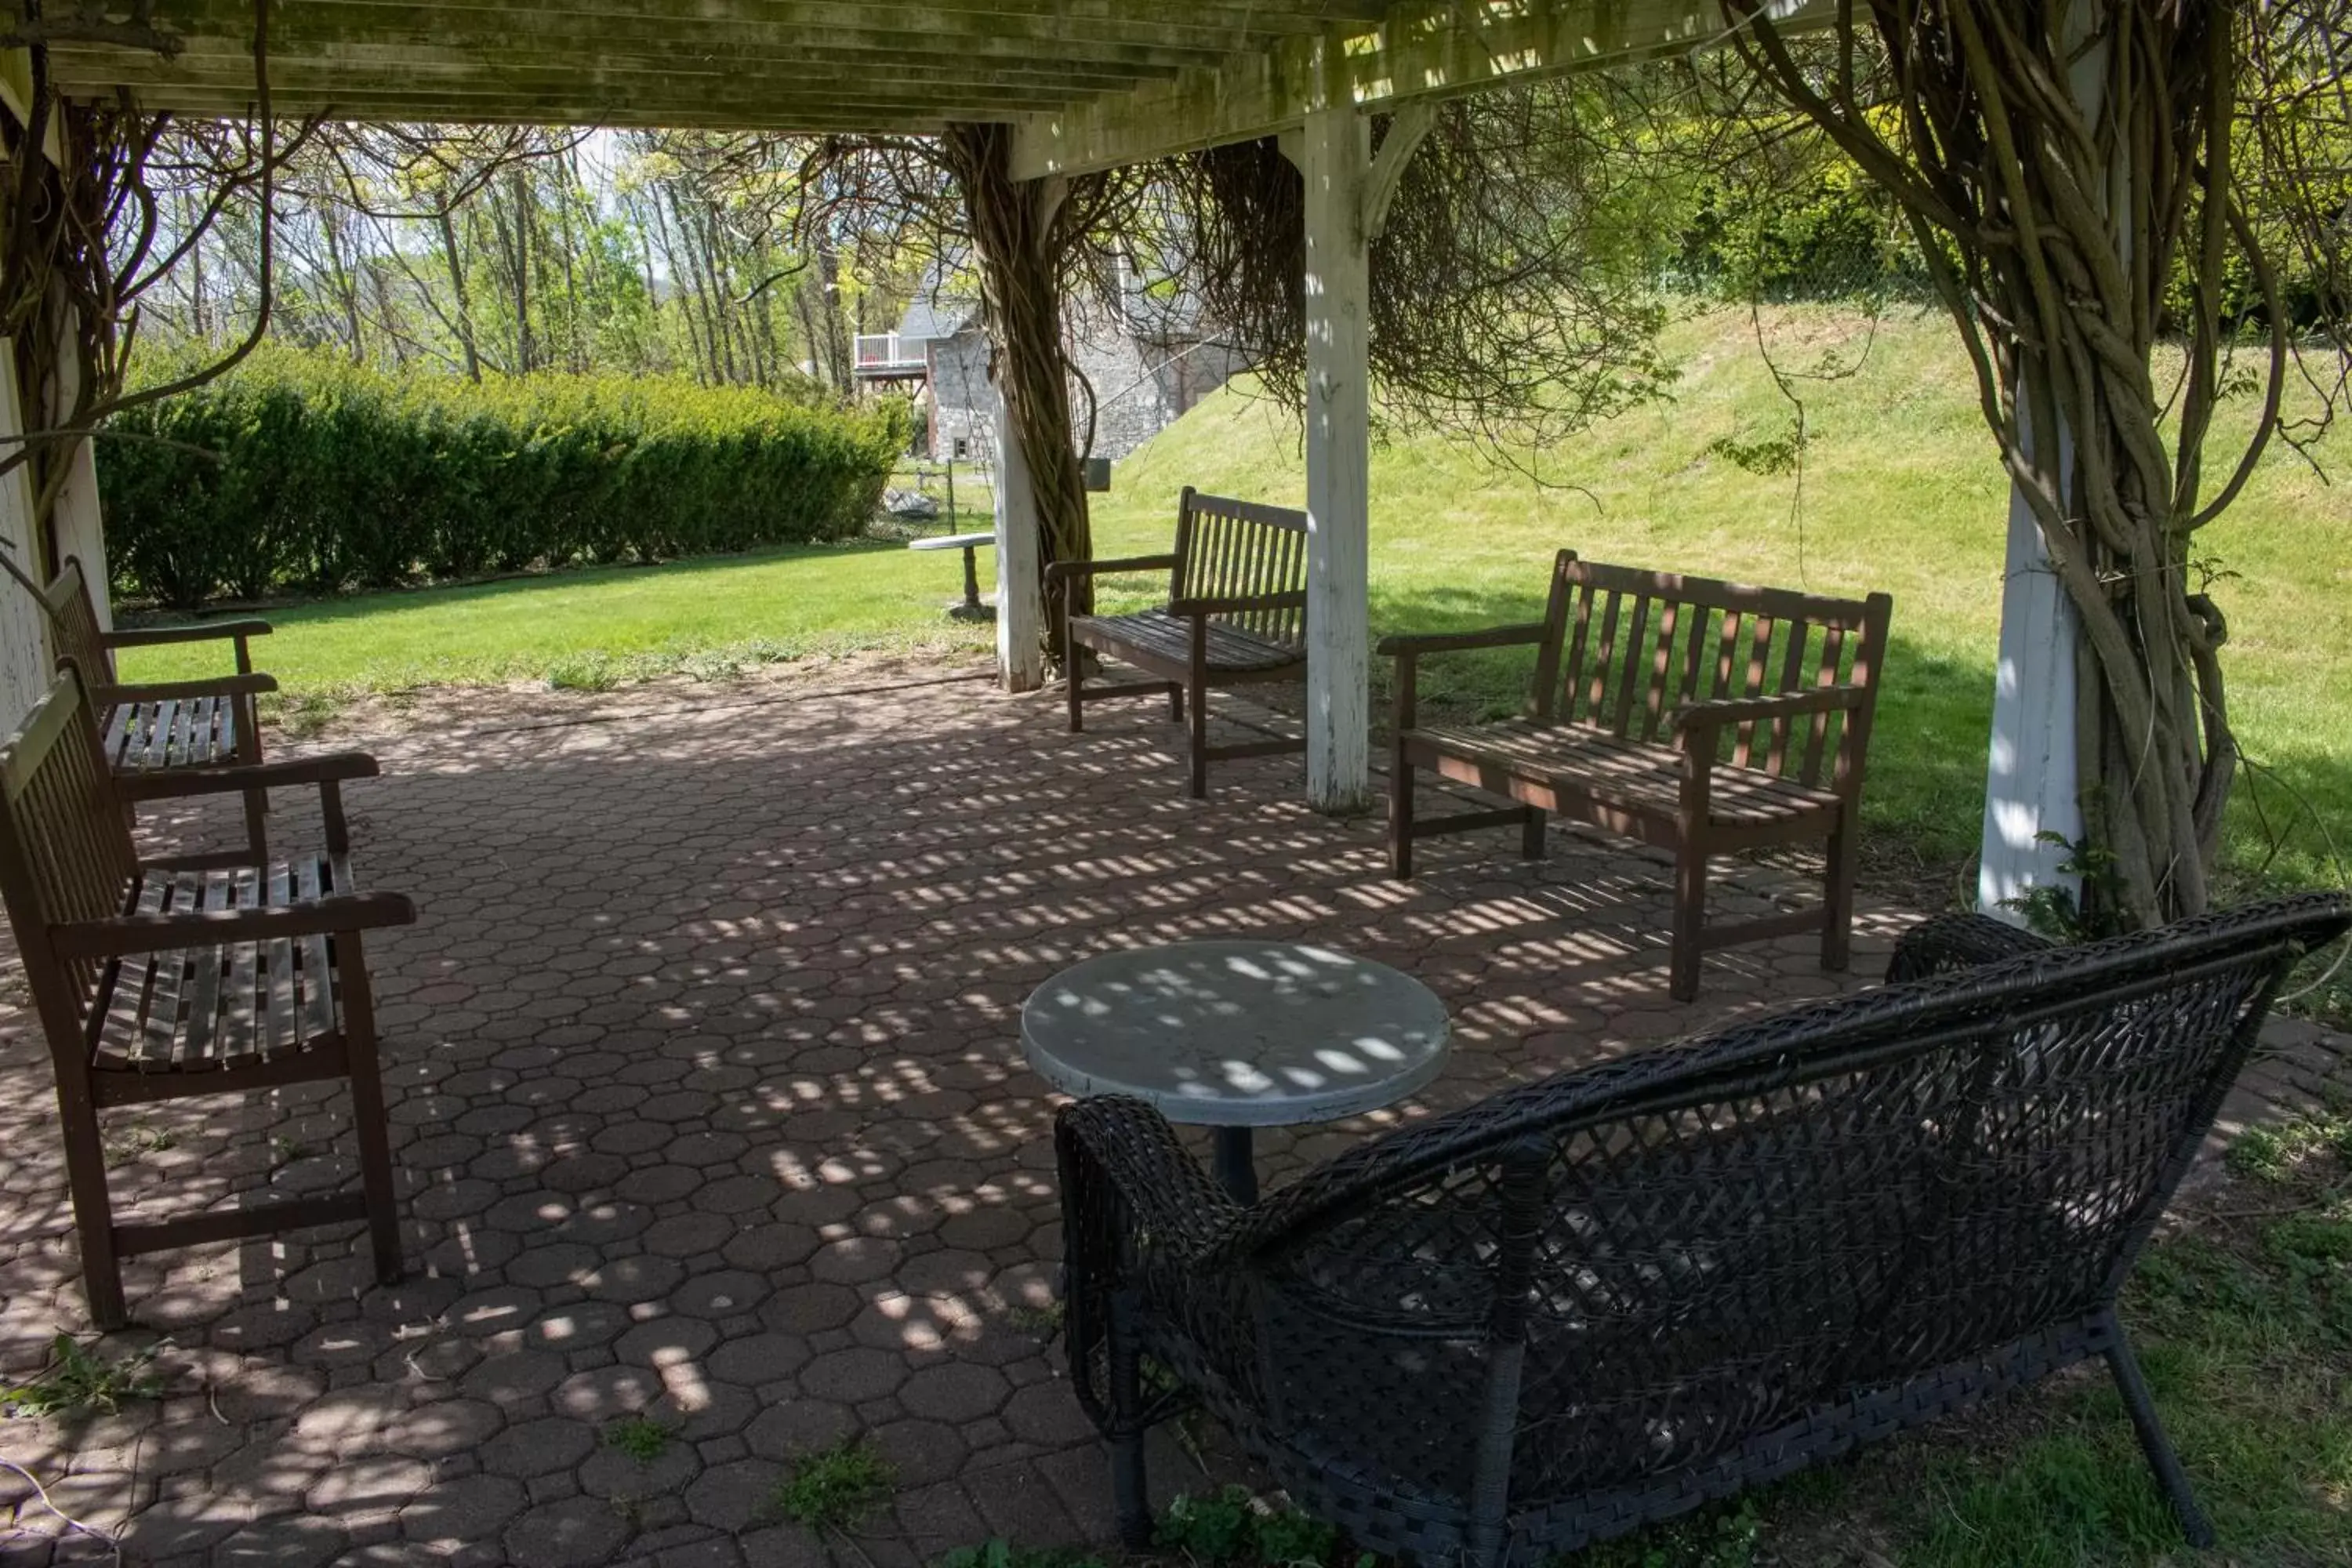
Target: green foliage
[1723,1537]
[641,1437]
[77,1382]
[302,471]
[2053,910]
[1229,1527]
[836,1487]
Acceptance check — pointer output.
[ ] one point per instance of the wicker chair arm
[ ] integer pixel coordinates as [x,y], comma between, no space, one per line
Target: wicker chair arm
[1122,1146]
[1952,942]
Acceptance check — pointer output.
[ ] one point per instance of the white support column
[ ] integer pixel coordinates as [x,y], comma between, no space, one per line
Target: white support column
[24,631]
[81,527]
[1335,155]
[2031,774]
[1020,596]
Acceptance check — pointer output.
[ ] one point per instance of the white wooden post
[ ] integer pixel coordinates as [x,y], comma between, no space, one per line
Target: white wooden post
[1335,155]
[81,527]
[2034,770]
[23,630]
[2030,773]
[1020,597]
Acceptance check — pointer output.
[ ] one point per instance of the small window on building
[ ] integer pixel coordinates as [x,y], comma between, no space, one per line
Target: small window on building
[963,449]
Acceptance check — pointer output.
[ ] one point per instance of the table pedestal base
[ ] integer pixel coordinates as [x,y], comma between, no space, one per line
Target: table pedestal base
[1237,1163]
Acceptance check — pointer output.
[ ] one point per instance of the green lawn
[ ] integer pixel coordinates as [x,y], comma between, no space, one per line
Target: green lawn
[1900,491]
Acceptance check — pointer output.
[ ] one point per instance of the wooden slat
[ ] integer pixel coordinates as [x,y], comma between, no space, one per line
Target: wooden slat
[1792,664]
[201,1012]
[318,972]
[153,1047]
[1661,670]
[131,994]
[1598,688]
[240,1040]
[281,1029]
[1832,644]
[1159,635]
[1628,678]
[1641,777]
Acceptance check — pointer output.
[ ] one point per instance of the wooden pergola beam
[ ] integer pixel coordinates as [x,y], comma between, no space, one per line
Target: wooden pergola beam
[1424,49]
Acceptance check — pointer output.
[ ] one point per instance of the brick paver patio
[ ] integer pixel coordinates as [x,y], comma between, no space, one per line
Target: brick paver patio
[707,1096]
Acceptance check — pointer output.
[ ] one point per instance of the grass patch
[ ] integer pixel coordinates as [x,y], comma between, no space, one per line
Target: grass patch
[77,1381]
[1003,1554]
[836,1487]
[641,1437]
[1901,491]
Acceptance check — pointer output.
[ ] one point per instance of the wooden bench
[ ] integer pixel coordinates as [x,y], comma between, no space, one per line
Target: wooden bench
[1699,716]
[1236,614]
[1609,1297]
[191,975]
[162,726]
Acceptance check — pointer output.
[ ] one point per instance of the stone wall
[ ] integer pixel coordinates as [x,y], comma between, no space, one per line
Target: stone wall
[1140,387]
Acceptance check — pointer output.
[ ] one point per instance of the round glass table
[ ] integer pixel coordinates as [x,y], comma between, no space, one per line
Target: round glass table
[1235,1036]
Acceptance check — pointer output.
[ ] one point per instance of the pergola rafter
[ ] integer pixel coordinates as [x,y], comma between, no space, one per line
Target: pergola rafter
[1082,85]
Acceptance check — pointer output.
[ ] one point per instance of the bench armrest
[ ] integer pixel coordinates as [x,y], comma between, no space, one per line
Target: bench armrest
[332,768]
[1716,712]
[1407,647]
[1411,644]
[341,915]
[1065,571]
[1239,603]
[182,690]
[207,631]
[1950,943]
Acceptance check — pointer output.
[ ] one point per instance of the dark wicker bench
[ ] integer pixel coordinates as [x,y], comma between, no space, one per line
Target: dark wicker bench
[1699,716]
[1236,614]
[1603,1299]
[164,726]
[191,975]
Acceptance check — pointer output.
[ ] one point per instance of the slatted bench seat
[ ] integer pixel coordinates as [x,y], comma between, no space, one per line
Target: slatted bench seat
[191,975]
[1235,615]
[164,726]
[1700,716]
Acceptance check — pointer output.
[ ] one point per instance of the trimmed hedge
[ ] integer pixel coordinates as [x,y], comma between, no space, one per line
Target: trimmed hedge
[299,471]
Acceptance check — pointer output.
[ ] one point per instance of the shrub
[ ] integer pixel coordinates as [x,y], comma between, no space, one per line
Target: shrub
[298,470]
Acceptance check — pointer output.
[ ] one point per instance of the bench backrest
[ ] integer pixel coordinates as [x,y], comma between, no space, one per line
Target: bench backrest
[1228,549]
[1710,1242]
[66,853]
[1624,648]
[73,624]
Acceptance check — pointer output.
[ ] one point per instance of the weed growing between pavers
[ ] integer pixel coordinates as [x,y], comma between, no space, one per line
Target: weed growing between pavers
[641,1437]
[836,1487]
[77,1381]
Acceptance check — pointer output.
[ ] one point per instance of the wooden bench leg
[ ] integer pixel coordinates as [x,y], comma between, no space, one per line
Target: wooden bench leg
[1531,835]
[102,1267]
[1199,737]
[1076,665]
[1690,920]
[1175,702]
[368,1117]
[1837,896]
[1400,816]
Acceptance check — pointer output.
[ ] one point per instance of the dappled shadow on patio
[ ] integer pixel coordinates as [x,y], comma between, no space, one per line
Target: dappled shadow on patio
[708,1100]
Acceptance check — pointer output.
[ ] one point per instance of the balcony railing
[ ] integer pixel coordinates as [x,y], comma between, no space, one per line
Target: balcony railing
[887,353]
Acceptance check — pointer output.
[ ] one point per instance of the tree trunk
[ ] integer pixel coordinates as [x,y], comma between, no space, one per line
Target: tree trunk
[1013,228]
[462,296]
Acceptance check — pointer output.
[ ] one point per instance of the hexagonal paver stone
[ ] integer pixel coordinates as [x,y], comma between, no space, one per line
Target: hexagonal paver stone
[574,1534]
[610,1473]
[805,1308]
[732,1496]
[630,1279]
[291,1543]
[607,1392]
[467,1509]
[540,1447]
[179,1525]
[854,1261]
[954,1392]
[757,1359]
[1047,1413]
[516,1377]
[797,1425]
[665,1341]
[443,1428]
[853,1375]
[920,1452]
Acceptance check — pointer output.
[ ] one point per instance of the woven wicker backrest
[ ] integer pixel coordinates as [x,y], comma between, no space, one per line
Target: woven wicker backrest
[1228,549]
[73,624]
[1723,1237]
[64,844]
[1627,647]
